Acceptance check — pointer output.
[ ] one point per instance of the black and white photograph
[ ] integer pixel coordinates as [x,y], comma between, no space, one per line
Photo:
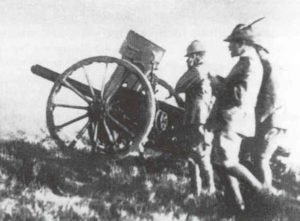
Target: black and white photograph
[149,110]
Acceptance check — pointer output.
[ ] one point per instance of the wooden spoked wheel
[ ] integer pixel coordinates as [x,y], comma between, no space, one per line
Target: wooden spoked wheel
[103,104]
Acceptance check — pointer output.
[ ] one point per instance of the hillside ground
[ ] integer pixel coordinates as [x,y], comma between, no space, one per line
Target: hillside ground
[38,182]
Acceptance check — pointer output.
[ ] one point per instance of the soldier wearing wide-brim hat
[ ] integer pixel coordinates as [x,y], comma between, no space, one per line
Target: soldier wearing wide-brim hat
[271,122]
[236,113]
[245,33]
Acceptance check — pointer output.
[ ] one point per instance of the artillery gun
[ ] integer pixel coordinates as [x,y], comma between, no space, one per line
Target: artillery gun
[109,105]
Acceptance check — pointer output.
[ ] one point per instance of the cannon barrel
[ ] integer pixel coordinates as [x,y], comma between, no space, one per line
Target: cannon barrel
[45,72]
[53,76]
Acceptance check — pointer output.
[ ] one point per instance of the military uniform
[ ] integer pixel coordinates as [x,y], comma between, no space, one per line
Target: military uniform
[271,125]
[237,104]
[196,84]
[236,110]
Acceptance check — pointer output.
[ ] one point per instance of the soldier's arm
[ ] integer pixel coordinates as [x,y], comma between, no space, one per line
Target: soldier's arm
[247,86]
[218,85]
[182,84]
[239,92]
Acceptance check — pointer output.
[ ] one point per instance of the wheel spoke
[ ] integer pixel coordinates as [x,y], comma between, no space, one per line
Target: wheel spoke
[71,121]
[119,124]
[80,134]
[96,132]
[110,135]
[72,88]
[103,81]
[89,83]
[71,106]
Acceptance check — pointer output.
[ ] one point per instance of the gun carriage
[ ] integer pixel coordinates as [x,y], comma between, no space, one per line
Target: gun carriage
[110,105]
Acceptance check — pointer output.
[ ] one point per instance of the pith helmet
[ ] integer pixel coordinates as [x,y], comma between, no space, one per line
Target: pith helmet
[243,32]
[194,47]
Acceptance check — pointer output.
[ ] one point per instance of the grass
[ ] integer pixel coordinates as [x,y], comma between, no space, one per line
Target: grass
[37,182]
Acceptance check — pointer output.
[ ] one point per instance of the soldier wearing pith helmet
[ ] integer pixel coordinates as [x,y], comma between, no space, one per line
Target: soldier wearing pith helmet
[237,106]
[196,84]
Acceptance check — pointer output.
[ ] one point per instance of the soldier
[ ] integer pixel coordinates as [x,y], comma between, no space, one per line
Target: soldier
[236,112]
[271,126]
[196,84]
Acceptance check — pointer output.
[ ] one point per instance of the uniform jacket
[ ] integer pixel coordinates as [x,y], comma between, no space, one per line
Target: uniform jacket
[239,97]
[196,84]
[269,105]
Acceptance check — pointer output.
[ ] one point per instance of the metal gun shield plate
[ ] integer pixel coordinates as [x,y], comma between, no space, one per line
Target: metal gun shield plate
[141,51]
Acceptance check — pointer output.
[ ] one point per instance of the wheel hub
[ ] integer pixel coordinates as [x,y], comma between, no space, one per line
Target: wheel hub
[96,110]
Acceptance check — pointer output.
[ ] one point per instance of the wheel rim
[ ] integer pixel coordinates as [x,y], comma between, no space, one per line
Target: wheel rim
[113,112]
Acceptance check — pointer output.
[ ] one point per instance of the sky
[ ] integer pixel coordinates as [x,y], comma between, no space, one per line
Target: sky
[58,33]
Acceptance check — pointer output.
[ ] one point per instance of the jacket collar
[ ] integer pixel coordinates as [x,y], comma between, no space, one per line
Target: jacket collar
[249,53]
